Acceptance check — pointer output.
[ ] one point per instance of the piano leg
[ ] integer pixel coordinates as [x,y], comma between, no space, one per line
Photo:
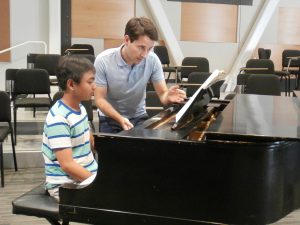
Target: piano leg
[55,222]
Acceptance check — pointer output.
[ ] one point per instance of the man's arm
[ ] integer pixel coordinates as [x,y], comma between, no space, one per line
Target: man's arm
[108,109]
[167,96]
[69,166]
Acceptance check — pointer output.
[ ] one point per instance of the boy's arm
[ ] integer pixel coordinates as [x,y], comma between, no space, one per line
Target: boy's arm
[92,141]
[68,165]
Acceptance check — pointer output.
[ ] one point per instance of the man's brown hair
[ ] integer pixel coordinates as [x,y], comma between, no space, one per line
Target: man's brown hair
[140,26]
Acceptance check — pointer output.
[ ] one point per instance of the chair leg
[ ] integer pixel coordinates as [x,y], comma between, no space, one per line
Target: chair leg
[2,167]
[34,109]
[13,147]
[289,85]
[15,125]
[168,77]
[285,86]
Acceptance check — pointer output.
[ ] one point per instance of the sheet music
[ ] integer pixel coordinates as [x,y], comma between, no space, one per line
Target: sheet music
[216,76]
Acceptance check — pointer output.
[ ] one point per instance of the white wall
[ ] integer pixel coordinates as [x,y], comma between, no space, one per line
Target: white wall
[30,21]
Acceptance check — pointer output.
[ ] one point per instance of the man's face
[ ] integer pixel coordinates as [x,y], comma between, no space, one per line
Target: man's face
[138,49]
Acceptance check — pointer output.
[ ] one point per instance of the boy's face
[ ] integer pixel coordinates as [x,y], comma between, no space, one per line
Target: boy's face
[85,89]
[138,49]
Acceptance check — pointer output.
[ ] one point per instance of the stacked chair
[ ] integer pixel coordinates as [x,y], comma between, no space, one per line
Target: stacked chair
[48,62]
[153,104]
[162,53]
[291,64]
[30,82]
[10,75]
[200,64]
[195,79]
[80,49]
[283,74]
[5,116]
[264,53]
[263,84]
[267,67]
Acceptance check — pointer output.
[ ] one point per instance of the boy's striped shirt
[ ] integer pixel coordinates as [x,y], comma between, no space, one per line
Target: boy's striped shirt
[66,128]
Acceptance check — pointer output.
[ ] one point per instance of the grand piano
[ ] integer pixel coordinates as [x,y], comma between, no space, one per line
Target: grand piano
[232,162]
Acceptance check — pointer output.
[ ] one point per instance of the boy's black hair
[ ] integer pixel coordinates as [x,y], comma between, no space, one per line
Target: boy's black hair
[72,67]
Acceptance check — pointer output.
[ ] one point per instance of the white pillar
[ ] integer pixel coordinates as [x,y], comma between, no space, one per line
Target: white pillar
[165,30]
[54,27]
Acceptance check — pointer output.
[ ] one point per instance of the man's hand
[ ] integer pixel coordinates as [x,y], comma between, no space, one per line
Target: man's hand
[176,95]
[125,124]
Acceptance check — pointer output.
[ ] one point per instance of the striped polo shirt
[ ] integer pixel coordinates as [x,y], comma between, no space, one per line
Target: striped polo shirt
[66,128]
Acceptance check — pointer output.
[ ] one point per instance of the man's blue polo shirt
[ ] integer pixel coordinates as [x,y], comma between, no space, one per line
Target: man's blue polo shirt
[126,84]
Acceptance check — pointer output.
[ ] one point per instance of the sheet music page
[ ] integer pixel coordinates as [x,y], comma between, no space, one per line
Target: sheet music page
[216,76]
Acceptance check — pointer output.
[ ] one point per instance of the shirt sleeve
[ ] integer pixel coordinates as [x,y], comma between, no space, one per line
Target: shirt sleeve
[157,73]
[100,78]
[59,133]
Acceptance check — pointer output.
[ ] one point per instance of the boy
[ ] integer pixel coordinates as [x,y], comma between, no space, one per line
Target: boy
[67,141]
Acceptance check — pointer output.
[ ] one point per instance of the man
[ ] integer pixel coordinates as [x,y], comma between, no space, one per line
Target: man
[122,75]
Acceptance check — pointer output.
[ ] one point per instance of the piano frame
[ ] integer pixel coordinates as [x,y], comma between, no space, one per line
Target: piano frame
[241,172]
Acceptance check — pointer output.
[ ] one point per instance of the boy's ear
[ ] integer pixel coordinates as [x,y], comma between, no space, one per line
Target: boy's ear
[70,85]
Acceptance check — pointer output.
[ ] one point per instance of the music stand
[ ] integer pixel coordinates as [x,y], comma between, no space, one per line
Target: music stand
[176,67]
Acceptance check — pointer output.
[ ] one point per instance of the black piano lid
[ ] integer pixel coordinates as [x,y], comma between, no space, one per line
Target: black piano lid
[262,116]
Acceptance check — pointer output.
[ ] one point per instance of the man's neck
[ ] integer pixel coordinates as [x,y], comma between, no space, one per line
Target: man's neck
[125,56]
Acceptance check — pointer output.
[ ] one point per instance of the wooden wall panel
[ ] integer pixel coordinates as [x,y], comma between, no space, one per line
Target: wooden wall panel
[289,26]
[112,43]
[209,22]
[101,18]
[4,29]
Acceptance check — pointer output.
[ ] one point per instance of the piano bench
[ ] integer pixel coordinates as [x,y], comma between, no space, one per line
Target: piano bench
[37,202]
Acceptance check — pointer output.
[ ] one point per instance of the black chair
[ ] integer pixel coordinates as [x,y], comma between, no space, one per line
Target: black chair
[5,116]
[48,62]
[80,49]
[10,75]
[87,104]
[31,82]
[291,63]
[88,56]
[201,65]
[264,53]
[268,66]
[263,84]
[162,53]
[31,59]
[153,104]
[200,78]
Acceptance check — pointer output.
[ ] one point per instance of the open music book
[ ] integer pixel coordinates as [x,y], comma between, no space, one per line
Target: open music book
[216,76]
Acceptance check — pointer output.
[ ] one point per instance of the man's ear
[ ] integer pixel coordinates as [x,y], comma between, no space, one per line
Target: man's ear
[126,39]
